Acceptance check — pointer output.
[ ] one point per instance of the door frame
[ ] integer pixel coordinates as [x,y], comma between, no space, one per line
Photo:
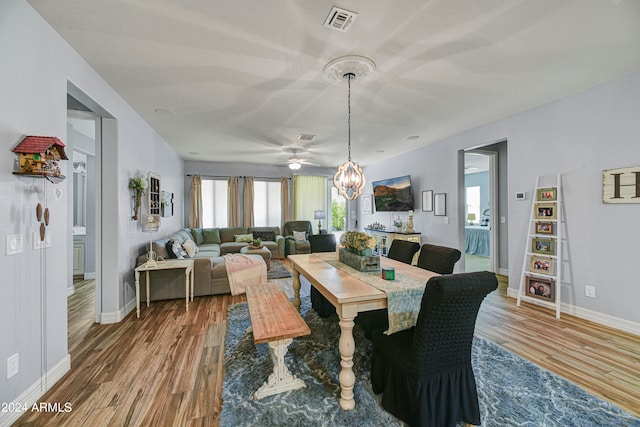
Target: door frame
[494,247]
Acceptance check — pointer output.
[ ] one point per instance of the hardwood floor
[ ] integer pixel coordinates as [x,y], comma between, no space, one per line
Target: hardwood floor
[166,368]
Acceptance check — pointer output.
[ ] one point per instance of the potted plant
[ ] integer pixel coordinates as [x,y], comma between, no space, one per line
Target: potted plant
[138,185]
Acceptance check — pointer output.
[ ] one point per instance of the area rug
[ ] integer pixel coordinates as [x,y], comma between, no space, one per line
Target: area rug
[277,270]
[512,391]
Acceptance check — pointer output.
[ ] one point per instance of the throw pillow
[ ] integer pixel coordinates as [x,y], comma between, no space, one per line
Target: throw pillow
[300,236]
[169,247]
[265,236]
[211,235]
[190,247]
[248,238]
[197,235]
[178,250]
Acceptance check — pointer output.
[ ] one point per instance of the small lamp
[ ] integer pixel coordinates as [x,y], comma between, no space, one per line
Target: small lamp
[319,215]
[151,224]
[471,217]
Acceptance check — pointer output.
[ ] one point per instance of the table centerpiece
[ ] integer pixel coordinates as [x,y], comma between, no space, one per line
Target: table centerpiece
[357,251]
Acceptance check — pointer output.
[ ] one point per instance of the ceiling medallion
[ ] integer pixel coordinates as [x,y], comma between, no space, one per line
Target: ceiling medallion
[361,68]
[349,179]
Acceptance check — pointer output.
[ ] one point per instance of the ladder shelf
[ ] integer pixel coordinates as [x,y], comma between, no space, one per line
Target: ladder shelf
[541,276]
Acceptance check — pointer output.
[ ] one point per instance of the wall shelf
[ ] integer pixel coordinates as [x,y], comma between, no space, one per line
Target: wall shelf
[51,178]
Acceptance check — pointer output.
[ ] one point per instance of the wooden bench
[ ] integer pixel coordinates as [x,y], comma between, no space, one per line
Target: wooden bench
[275,321]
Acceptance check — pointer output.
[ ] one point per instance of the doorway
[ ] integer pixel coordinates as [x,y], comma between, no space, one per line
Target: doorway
[480,209]
[83,137]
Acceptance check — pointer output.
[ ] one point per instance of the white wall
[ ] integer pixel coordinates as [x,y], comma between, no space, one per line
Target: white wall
[36,67]
[578,136]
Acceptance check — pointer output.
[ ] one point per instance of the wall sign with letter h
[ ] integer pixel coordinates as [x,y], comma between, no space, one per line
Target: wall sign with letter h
[621,185]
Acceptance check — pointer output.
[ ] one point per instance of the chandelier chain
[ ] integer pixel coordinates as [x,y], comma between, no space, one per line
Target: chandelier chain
[349,77]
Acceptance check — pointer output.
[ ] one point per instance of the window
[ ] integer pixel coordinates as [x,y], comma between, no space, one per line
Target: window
[214,203]
[310,193]
[473,203]
[266,203]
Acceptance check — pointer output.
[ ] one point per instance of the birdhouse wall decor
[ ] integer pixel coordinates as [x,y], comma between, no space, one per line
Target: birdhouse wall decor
[40,156]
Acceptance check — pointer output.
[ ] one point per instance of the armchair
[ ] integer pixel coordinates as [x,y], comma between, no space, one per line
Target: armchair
[292,245]
[425,372]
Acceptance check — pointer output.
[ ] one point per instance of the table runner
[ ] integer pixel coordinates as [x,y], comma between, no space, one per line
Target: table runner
[404,294]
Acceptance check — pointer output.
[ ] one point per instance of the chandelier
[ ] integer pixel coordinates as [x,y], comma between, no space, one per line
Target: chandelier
[349,179]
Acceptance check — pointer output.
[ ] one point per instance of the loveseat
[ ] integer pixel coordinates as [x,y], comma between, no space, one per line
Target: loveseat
[210,273]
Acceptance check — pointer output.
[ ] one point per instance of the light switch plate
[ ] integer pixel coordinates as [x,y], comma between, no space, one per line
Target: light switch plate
[39,244]
[15,244]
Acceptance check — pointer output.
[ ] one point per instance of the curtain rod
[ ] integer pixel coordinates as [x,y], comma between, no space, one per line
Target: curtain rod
[241,176]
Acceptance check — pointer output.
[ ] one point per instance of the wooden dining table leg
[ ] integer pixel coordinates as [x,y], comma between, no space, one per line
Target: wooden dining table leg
[296,289]
[347,347]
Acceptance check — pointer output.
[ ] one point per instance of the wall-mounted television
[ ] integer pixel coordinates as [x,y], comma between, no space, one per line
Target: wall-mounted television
[393,194]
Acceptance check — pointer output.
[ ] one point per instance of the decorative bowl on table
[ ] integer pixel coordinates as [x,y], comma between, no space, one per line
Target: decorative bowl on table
[255,244]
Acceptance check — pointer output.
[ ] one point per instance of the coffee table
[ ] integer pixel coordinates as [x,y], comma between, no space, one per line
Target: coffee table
[263,251]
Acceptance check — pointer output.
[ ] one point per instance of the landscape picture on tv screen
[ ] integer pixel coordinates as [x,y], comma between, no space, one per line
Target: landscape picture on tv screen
[393,194]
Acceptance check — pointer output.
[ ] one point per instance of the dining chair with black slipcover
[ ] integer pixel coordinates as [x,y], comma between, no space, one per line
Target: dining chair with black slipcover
[439,259]
[403,250]
[425,372]
[322,243]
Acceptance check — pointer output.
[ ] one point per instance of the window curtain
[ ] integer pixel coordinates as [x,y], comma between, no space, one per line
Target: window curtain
[248,202]
[309,195]
[285,206]
[233,201]
[195,209]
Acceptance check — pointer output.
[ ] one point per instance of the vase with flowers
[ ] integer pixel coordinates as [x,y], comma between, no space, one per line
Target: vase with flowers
[357,251]
[138,185]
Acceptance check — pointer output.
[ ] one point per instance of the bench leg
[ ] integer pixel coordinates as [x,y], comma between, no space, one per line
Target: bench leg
[281,379]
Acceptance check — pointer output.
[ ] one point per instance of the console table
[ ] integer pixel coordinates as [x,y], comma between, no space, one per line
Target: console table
[385,238]
[186,264]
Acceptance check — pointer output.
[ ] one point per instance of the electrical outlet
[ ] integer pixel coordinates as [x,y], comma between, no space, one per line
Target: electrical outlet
[503,220]
[446,220]
[590,291]
[13,365]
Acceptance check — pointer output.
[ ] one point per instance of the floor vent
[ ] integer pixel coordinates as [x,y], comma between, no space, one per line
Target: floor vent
[340,19]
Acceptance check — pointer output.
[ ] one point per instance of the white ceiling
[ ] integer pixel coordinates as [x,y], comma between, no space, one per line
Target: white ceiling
[238,81]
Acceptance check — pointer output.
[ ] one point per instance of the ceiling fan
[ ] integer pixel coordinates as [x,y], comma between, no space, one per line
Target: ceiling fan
[295,162]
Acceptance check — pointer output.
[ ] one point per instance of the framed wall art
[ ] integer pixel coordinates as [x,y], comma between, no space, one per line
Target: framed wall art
[440,204]
[427,201]
[543,245]
[545,211]
[542,265]
[549,194]
[544,289]
[545,227]
[366,204]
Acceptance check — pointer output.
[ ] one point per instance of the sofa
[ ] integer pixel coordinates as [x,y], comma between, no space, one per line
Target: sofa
[210,273]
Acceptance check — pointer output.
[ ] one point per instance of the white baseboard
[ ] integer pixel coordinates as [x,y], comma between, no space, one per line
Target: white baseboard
[36,391]
[89,276]
[503,271]
[71,290]
[583,313]
[117,316]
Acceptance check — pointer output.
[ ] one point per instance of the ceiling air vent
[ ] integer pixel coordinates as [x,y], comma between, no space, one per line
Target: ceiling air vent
[340,19]
[305,137]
